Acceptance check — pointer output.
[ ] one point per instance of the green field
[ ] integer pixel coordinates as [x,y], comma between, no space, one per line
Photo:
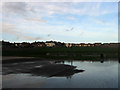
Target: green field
[76,53]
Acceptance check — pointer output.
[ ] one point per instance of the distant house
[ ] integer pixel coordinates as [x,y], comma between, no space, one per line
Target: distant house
[97,44]
[25,44]
[83,44]
[105,45]
[75,45]
[5,44]
[22,45]
[90,45]
[50,44]
[38,44]
[17,44]
[59,44]
[68,44]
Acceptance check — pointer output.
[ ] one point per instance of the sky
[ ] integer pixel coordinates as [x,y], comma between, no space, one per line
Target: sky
[73,22]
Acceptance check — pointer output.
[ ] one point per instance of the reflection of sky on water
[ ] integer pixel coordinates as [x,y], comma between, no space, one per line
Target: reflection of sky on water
[96,75]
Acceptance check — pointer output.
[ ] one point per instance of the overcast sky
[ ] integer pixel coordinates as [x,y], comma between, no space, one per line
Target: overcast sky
[59,21]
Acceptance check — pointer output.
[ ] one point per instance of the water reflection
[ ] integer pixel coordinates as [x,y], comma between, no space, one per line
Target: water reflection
[62,62]
[96,74]
[102,61]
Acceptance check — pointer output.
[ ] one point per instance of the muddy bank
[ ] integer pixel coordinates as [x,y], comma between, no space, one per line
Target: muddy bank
[40,68]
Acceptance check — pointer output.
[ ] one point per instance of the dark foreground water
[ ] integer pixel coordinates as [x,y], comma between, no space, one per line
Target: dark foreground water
[95,75]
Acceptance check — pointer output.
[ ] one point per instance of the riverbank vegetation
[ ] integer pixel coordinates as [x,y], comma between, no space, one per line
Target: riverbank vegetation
[76,53]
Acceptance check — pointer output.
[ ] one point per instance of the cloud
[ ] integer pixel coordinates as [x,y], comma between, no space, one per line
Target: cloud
[10,29]
[71,18]
[51,8]
[36,20]
[35,12]
[92,9]
[24,37]
[1,7]
[23,9]
[15,8]
[103,22]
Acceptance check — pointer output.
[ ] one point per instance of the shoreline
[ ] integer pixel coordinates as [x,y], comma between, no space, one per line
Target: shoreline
[13,59]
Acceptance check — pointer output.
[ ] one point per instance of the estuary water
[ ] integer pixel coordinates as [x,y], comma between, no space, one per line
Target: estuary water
[94,74]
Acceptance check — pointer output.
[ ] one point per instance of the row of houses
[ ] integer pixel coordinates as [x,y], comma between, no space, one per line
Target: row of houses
[34,44]
[93,45]
[57,44]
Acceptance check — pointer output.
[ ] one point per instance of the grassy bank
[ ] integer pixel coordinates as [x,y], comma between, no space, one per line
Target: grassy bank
[77,53]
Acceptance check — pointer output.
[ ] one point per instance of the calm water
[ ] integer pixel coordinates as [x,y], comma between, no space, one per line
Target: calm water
[96,75]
